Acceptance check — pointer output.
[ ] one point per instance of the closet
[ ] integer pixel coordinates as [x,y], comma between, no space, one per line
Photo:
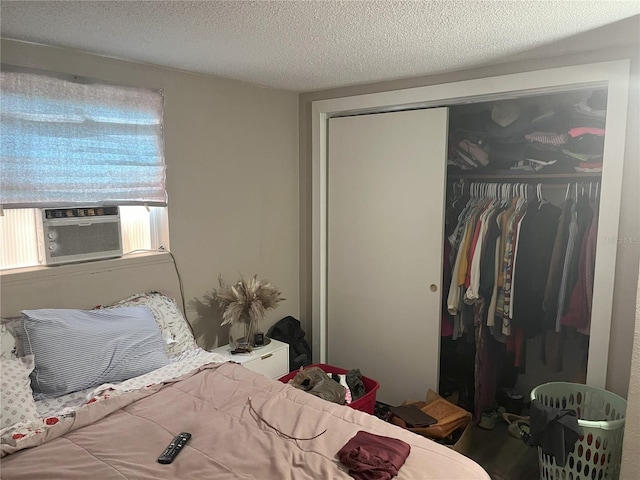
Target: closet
[393,339]
[521,229]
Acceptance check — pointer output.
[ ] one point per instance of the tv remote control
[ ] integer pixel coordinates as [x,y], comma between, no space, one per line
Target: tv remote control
[173,449]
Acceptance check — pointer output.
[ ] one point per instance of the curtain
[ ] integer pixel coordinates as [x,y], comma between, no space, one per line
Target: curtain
[66,142]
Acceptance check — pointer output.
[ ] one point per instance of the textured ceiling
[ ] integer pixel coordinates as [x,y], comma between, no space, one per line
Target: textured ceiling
[310,45]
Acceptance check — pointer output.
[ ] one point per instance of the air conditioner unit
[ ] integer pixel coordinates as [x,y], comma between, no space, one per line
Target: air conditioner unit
[67,235]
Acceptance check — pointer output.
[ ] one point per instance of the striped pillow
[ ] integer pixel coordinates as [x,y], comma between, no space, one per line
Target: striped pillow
[175,329]
[78,349]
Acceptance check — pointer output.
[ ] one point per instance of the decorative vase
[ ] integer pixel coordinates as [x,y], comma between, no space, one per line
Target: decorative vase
[236,334]
[243,333]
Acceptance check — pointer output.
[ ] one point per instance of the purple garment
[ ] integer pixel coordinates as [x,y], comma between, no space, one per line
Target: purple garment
[373,457]
[486,365]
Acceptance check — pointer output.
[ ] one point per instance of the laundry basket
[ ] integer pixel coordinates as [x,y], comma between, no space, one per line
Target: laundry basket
[601,417]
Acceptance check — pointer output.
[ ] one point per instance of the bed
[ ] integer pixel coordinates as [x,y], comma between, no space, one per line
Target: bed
[243,425]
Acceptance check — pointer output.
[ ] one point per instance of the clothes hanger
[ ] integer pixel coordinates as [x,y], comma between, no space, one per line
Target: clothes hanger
[506,194]
[541,198]
[592,196]
[455,194]
[519,193]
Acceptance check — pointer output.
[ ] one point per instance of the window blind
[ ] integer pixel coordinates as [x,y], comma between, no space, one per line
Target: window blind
[73,142]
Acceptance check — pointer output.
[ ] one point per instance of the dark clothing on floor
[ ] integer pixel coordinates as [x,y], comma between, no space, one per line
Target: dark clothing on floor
[555,430]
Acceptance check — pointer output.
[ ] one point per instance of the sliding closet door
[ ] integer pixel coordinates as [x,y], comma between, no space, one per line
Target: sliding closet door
[385,202]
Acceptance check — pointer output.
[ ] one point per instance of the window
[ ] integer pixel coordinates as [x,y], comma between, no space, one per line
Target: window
[78,142]
[142,229]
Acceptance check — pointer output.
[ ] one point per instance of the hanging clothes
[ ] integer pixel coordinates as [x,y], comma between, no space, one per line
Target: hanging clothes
[590,265]
[578,313]
[518,267]
[552,340]
[554,276]
[537,240]
[446,319]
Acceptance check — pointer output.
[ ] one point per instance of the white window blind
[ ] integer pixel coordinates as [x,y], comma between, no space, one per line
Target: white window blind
[74,142]
[18,233]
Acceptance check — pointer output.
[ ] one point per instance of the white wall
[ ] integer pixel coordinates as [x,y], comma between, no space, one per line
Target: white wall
[631,445]
[232,180]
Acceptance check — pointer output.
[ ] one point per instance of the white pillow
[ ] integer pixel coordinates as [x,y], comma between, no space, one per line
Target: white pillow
[175,329]
[16,398]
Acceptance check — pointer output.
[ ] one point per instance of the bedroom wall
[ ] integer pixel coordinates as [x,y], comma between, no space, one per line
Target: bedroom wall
[624,43]
[232,181]
[631,444]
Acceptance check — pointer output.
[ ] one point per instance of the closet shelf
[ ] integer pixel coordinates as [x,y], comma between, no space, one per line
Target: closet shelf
[527,178]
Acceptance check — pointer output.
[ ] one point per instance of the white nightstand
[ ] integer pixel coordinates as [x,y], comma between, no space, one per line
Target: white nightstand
[271,360]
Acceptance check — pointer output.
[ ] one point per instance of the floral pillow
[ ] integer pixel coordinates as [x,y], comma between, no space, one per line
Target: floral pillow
[16,397]
[9,348]
[176,331]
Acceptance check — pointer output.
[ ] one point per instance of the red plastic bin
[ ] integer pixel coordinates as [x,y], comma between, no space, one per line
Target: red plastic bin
[366,403]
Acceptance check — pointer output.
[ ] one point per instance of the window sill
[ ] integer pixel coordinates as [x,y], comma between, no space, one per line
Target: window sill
[27,274]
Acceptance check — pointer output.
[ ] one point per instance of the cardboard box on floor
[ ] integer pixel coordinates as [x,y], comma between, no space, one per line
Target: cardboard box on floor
[446,413]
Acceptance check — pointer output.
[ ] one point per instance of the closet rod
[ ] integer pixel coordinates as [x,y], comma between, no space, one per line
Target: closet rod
[528,178]
[560,186]
[566,185]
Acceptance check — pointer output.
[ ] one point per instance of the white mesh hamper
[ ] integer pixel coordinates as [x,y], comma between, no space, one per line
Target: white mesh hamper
[601,417]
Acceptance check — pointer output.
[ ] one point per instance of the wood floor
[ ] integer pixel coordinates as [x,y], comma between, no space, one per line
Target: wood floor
[503,457]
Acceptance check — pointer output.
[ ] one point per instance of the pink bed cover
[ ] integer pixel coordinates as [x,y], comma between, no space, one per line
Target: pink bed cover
[121,429]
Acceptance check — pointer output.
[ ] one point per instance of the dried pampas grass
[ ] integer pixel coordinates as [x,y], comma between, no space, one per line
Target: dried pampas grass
[247,301]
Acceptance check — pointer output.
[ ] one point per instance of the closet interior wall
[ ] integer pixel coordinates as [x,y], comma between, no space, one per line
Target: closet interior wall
[523,177]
